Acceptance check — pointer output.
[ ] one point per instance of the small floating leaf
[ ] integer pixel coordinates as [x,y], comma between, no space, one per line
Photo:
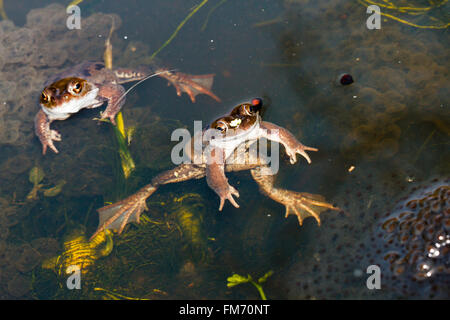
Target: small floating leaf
[36,175]
[52,192]
[236,279]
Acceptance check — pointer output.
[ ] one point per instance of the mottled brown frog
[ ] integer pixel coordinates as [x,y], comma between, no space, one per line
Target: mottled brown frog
[90,85]
[238,130]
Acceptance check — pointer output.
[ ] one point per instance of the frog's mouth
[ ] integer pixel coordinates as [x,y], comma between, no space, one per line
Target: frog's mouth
[63,108]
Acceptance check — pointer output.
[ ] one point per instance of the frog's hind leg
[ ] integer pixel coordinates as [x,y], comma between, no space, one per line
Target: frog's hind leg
[191,84]
[117,215]
[302,205]
[125,75]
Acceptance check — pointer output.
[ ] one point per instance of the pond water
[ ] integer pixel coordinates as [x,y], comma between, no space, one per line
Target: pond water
[383,154]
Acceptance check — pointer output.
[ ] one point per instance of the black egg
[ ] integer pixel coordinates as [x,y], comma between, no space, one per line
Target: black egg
[345,79]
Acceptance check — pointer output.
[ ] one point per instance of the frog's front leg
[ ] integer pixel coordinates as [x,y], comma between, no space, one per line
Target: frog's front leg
[117,215]
[44,133]
[301,204]
[190,83]
[278,134]
[216,179]
[115,96]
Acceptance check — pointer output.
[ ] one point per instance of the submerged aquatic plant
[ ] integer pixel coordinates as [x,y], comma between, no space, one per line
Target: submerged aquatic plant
[410,11]
[122,136]
[112,295]
[79,251]
[203,28]
[2,11]
[36,175]
[127,161]
[189,210]
[174,34]
[237,279]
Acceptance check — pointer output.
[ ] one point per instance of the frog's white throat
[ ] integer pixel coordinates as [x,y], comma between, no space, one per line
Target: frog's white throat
[75,104]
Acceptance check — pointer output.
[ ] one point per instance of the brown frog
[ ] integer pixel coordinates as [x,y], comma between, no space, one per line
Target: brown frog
[237,131]
[90,85]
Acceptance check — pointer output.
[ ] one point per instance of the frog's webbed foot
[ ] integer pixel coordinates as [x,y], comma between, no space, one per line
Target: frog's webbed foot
[45,134]
[52,136]
[115,96]
[191,84]
[227,194]
[304,205]
[117,215]
[105,116]
[300,149]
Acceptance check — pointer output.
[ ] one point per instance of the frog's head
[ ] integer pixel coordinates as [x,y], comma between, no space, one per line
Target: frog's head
[247,109]
[69,95]
[241,119]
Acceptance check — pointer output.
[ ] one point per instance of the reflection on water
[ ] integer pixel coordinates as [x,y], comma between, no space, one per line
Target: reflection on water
[391,125]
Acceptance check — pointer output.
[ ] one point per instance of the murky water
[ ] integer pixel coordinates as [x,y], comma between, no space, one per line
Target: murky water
[383,142]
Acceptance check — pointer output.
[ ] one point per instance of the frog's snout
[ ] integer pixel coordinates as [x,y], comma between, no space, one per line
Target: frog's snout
[256,105]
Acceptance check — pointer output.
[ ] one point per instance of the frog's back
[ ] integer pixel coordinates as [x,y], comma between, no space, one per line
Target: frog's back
[89,70]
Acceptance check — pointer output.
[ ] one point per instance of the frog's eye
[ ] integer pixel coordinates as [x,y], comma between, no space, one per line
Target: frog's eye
[246,110]
[222,127]
[75,87]
[44,97]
